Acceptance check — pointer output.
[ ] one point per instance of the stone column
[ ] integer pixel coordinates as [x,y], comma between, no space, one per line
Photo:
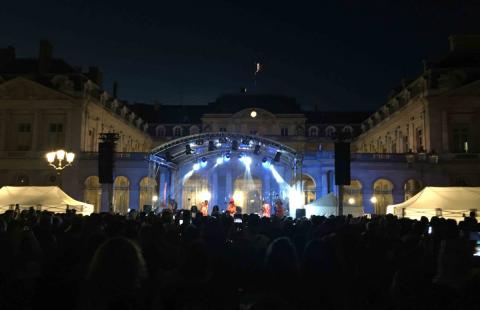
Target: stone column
[229,185]
[214,192]
[324,183]
[161,188]
[134,199]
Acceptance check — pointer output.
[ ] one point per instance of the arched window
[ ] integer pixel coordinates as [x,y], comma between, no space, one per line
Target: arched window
[353,194]
[411,188]
[348,130]
[160,131]
[177,131]
[121,195]
[309,188]
[330,131]
[195,190]
[194,130]
[382,195]
[93,192]
[313,131]
[148,189]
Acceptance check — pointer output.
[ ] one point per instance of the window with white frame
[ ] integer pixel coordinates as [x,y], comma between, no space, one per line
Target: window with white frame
[160,131]
[194,130]
[177,131]
[330,131]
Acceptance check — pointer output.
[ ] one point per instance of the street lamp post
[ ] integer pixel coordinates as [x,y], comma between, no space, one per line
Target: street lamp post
[60,159]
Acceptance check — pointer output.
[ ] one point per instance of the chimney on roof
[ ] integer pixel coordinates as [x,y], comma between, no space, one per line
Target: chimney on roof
[465,43]
[7,55]
[114,89]
[95,75]
[45,52]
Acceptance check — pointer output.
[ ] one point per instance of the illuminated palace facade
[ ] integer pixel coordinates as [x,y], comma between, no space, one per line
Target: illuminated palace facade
[425,134]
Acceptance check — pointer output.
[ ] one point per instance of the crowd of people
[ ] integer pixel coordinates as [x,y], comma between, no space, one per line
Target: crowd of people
[191,260]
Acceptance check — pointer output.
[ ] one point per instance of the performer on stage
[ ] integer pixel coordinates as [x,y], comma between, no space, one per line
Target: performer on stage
[265,209]
[204,208]
[279,210]
[231,209]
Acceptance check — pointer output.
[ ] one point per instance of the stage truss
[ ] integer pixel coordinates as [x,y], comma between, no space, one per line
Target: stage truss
[205,145]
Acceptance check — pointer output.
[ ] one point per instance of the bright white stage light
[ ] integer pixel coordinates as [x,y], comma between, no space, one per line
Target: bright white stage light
[246,160]
[351,201]
[266,163]
[226,158]
[219,160]
[373,199]
[276,175]
[205,195]
[203,163]
[196,166]
[295,199]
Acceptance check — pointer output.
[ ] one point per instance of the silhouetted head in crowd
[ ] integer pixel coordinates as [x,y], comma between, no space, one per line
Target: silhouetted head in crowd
[281,258]
[116,272]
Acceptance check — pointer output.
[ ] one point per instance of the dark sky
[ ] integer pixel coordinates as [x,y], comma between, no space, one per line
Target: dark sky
[338,55]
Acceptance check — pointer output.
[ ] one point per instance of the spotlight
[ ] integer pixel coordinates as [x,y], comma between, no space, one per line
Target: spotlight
[351,201]
[211,146]
[203,163]
[196,166]
[227,157]
[265,163]
[234,145]
[373,199]
[219,160]
[199,142]
[277,157]
[246,160]
[257,149]
[188,149]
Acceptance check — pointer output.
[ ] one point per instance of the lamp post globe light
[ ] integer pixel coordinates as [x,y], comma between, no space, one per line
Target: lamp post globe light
[60,159]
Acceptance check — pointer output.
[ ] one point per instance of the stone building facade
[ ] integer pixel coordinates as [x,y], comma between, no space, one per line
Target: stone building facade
[425,134]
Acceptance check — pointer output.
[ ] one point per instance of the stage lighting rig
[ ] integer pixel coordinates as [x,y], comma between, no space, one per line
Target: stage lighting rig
[211,146]
[277,157]
[234,145]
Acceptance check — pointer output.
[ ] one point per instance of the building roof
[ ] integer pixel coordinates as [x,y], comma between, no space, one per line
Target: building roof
[336,117]
[233,103]
[172,114]
[30,65]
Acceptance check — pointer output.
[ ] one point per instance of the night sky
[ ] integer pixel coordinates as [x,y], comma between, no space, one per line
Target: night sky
[337,55]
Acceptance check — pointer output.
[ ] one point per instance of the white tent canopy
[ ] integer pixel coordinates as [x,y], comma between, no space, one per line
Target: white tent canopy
[50,198]
[328,205]
[449,202]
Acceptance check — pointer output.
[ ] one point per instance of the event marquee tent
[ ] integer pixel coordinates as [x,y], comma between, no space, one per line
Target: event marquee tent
[448,202]
[50,198]
[328,205]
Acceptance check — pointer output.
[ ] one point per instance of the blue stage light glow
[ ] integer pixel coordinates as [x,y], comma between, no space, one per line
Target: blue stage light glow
[246,160]
[266,163]
[196,166]
[227,157]
[203,163]
[219,160]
